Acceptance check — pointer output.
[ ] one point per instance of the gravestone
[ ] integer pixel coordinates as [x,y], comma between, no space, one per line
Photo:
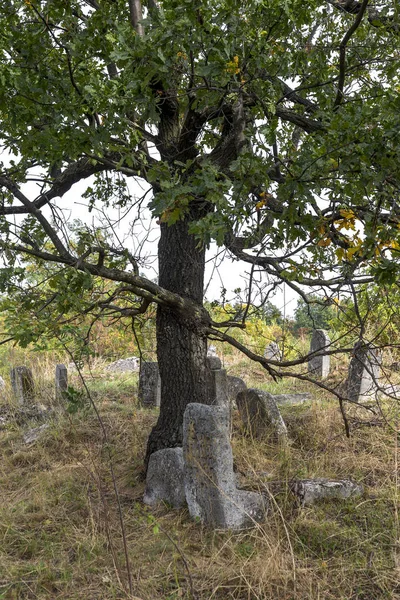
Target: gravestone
[213,362]
[309,491]
[61,381]
[319,364]
[165,478]
[2,384]
[210,483]
[211,351]
[259,412]
[217,386]
[235,385]
[22,384]
[124,365]
[149,384]
[364,372]
[272,352]
[292,399]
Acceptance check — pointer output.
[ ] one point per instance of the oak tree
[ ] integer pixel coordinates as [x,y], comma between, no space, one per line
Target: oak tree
[268,126]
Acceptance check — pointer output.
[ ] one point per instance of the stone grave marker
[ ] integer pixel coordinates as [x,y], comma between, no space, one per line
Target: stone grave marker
[165,478]
[2,384]
[22,384]
[319,364]
[61,381]
[213,362]
[124,365]
[259,412]
[149,384]
[235,385]
[364,373]
[272,352]
[210,483]
[217,382]
[292,399]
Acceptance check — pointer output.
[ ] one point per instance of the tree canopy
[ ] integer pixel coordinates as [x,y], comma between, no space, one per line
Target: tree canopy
[268,127]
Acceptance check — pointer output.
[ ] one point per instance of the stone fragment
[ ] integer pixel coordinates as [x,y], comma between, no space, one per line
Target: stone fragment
[22,384]
[273,352]
[213,362]
[259,412]
[217,388]
[364,373]
[61,381]
[210,483]
[291,399]
[149,384]
[309,491]
[32,435]
[165,478]
[123,365]
[319,363]
[235,385]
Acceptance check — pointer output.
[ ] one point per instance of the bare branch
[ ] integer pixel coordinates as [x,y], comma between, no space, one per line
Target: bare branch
[343,46]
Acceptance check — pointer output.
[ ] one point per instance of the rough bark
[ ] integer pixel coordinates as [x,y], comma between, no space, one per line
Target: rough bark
[181,341]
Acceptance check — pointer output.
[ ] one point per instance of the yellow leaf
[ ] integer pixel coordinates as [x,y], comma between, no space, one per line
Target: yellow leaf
[340,253]
[347,213]
[351,252]
[324,242]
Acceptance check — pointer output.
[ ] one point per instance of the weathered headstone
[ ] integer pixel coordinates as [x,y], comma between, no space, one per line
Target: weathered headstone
[273,352]
[217,387]
[149,384]
[235,385]
[210,484]
[259,412]
[364,373]
[61,381]
[2,383]
[319,363]
[213,362]
[310,491]
[22,384]
[165,478]
[124,365]
[291,399]
[211,351]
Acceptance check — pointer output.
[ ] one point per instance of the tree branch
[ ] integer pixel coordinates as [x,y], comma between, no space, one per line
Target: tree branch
[343,46]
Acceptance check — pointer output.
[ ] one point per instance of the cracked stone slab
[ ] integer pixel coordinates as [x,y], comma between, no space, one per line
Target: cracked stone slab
[210,483]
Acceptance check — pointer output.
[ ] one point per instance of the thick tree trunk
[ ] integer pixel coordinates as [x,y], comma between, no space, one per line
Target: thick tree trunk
[181,344]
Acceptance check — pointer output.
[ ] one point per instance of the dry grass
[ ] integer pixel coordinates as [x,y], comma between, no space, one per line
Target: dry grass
[61,536]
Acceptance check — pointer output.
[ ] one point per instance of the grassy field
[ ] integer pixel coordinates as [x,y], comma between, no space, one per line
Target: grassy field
[72,524]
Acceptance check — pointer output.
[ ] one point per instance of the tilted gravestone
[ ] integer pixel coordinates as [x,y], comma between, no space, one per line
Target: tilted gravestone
[364,373]
[22,384]
[210,484]
[165,478]
[273,352]
[149,384]
[319,363]
[235,386]
[260,413]
[61,381]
